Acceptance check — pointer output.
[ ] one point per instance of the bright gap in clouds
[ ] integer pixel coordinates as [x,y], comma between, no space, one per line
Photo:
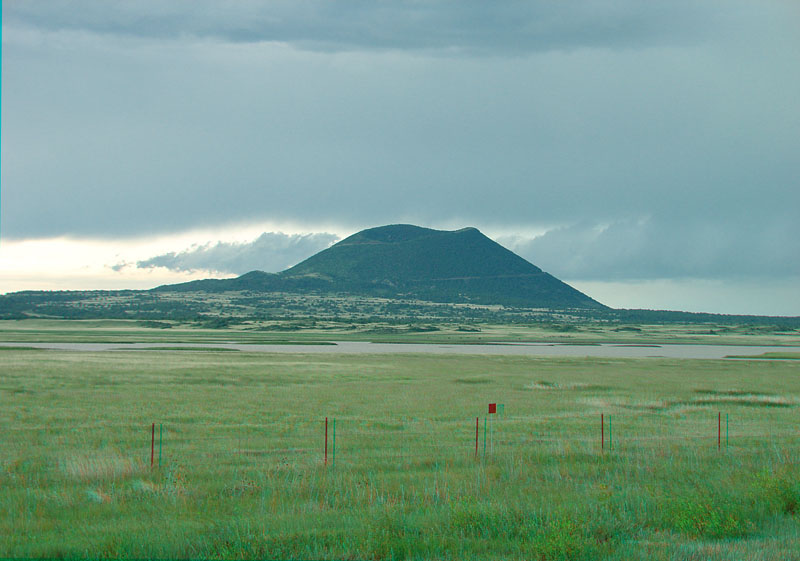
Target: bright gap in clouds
[92,264]
[68,264]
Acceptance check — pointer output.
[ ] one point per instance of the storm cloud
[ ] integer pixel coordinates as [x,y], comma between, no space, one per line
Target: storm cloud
[651,248]
[470,26]
[647,139]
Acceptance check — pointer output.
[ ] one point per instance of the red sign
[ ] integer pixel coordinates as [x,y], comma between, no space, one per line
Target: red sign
[492,408]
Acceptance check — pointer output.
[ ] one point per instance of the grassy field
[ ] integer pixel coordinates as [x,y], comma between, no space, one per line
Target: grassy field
[242,472]
[310,331]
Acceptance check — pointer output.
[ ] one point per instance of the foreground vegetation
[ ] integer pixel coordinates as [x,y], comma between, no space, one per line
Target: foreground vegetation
[242,471]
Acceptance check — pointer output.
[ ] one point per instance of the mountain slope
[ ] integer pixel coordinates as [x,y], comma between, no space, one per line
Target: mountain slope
[404,261]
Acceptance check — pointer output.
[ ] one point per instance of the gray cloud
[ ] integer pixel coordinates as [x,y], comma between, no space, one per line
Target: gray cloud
[466,26]
[126,119]
[271,252]
[652,248]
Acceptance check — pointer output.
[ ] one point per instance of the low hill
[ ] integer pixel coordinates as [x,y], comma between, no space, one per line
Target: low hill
[410,262]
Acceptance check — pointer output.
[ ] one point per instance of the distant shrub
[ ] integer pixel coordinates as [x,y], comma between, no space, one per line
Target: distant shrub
[156,324]
[422,328]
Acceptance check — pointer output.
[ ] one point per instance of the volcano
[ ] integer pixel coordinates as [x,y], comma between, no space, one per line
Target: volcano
[402,261]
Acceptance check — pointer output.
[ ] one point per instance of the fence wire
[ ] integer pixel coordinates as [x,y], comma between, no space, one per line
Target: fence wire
[398,443]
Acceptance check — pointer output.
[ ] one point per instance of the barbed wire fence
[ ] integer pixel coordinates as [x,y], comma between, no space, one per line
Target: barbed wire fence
[340,442]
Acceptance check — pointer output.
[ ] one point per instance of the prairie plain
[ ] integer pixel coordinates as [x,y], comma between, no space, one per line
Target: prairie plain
[701,461]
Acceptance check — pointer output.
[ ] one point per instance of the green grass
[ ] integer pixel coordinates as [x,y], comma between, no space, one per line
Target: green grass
[773,355]
[189,349]
[242,472]
[321,332]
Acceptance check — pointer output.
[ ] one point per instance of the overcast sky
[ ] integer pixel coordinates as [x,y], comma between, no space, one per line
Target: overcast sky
[646,152]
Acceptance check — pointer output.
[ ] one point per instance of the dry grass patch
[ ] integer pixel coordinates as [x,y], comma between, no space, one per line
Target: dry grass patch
[108,466]
[555,386]
[753,400]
